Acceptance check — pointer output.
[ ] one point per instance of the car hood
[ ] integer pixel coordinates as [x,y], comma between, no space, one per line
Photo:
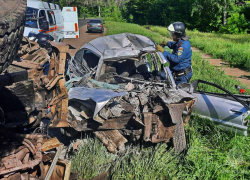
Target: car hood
[120,46]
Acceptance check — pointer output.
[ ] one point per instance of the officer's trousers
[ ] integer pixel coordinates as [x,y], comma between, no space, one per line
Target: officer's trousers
[183,79]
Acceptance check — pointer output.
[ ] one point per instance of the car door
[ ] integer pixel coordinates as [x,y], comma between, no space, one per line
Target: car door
[225,108]
[52,24]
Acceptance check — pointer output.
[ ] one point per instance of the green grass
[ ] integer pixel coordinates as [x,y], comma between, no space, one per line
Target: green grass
[119,27]
[211,153]
[202,69]
[91,159]
[231,48]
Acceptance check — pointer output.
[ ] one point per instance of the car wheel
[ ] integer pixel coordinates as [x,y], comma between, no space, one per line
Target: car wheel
[61,40]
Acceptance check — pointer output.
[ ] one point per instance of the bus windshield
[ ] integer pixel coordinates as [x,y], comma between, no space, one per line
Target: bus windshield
[31,17]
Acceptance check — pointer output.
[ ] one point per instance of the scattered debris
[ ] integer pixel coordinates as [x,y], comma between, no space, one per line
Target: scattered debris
[38,91]
[119,96]
[31,156]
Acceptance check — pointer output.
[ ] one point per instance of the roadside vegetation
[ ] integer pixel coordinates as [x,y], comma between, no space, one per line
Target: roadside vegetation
[202,68]
[232,48]
[226,16]
[211,154]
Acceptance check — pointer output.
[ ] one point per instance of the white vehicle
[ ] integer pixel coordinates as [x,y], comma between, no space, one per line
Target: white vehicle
[45,17]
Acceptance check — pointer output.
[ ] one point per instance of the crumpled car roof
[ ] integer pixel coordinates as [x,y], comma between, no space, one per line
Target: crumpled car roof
[120,46]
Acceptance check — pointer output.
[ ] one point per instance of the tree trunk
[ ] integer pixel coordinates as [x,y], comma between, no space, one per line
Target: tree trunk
[225,13]
[99,10]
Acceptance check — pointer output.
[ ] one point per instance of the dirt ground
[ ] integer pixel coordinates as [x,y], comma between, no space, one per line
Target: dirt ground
[83,39]
[241,75]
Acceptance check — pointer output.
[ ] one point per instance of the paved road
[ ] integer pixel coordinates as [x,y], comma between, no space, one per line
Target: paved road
[82,22]
[84,37]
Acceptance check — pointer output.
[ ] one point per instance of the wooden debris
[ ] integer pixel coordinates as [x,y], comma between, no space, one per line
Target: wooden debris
[50,144]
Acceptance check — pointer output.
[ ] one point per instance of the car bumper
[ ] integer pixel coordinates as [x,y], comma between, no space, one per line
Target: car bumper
[95,29]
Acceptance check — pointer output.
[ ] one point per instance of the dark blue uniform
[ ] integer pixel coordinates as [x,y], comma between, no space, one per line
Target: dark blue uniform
[180,59]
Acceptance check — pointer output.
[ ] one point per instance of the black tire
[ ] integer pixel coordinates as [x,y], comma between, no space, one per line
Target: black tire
[12,21]
[69,131]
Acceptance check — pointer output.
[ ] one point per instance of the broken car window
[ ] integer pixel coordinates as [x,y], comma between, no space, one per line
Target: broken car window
[42,17]
[31,17]
[90,59]
[87,58]
[51,19]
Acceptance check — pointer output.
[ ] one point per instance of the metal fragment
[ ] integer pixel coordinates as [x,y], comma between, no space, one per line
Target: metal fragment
[112,139]
[179,137]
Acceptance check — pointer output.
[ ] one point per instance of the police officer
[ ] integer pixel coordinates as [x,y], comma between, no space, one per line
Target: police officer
[180,59]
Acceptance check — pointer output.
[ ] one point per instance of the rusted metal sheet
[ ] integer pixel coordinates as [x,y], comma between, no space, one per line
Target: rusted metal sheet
[28,46]
[50,144]
[179,138]
[49,91]
[22,158]
[26,64]
[37,56]
[112,140]
[147,119]
[111,124]
[163,129]
[25,157]
[189,109]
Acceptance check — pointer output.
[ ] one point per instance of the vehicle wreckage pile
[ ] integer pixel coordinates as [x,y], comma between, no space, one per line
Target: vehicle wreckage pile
[119,97]
[115,86]
[148,110]
[31,156]
[27,97]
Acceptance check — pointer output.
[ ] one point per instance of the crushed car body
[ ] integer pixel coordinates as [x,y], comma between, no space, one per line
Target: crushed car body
[118,87]
[230,111]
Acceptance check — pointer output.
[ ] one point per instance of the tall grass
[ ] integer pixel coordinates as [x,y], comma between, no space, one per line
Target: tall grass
[119,27]
[234,49]
[202,69]
[91,159]
[211,154]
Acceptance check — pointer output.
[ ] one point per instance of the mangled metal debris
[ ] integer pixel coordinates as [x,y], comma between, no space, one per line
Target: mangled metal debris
[33,90]
[35,87]
[123,92]
[31,156]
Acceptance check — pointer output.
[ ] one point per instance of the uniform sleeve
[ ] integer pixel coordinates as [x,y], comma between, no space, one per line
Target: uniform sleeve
[170,44]
[177,57]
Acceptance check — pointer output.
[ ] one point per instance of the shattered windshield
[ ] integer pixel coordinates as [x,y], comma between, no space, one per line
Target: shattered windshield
[31,17]
[126,68]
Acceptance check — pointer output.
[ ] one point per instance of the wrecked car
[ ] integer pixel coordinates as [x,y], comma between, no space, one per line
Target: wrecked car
[118,87]
[230,111]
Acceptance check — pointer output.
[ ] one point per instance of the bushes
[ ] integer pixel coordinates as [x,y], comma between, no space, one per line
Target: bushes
[232,48]
[202,69]
[236,24]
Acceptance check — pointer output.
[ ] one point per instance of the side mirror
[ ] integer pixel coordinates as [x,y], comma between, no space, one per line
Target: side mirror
[88,22]
[45,25]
